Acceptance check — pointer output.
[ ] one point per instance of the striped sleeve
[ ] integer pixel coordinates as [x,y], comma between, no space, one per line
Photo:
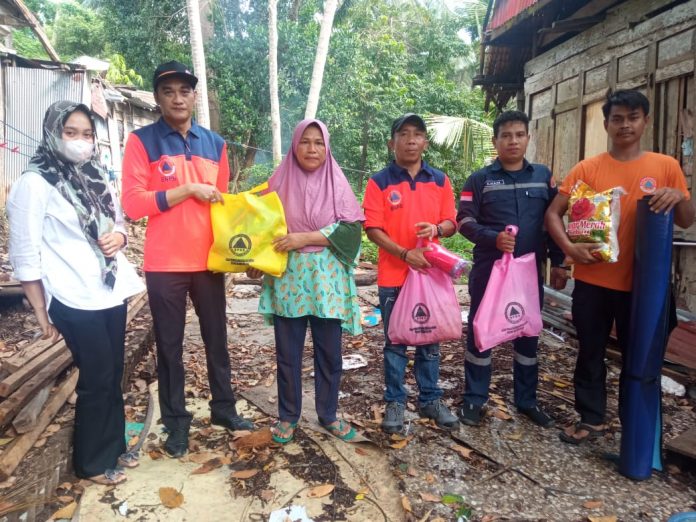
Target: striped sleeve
[468,214]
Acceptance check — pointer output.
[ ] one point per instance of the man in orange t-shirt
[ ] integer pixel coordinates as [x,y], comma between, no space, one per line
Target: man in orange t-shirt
[602,292]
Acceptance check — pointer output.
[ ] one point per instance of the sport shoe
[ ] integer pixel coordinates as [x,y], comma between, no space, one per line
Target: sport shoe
[177,443]
[393,421]
[537,416]
[234,422]
[470,414]
[440,414]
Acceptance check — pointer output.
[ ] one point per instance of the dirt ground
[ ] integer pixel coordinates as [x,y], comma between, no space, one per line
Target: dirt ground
[505,469]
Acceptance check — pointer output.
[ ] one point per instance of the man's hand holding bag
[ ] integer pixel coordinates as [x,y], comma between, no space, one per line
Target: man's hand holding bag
[243,231]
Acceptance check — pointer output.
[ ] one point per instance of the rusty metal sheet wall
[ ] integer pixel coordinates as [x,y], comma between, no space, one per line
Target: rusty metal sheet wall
[505,10]
[28,93]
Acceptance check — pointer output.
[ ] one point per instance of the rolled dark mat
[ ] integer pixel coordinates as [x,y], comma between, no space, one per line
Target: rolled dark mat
[640,392]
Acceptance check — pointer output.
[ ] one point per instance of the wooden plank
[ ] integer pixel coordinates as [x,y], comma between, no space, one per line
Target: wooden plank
[566,143]
[633,64]
[675,48]
[685,444]
[35,348]
[568,90]
[14,403]
[596,79]
[11,457]
[540,148]
[596,140]
[558,65]
[14,381]
[26,419]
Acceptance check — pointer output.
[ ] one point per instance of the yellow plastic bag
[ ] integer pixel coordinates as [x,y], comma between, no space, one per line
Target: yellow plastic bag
[243,231]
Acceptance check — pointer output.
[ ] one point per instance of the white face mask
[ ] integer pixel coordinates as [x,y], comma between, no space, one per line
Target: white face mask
[76,151]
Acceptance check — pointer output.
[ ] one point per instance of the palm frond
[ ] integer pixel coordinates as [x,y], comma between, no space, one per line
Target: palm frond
[472,137]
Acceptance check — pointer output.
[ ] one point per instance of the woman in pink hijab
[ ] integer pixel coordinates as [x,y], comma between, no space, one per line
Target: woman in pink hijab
[323,244]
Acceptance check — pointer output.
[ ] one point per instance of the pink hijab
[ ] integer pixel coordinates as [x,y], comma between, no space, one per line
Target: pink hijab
[313,200]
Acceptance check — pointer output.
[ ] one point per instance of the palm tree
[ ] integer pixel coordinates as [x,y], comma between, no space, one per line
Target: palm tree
[320,58]
[273,78]
[198,56]
[474,138]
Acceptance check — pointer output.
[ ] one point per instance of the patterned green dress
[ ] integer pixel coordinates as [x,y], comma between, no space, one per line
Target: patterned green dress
[318,283]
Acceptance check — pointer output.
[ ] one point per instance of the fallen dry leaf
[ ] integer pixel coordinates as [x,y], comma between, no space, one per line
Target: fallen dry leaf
[610,518]
[170,497]
[255,440]
[320,491]
[593,504]
[377,413]
[5,441]
[464,452]
[65,498]
[499,414]
[208,466]
[266,495]
[361,451]
[400,445]
[244,474]
[412,471]
[429,478]
[406,503]
[429,497]
[52,428]
[65,485]
[200,458]
[516,435]
[65,512]
[155,454]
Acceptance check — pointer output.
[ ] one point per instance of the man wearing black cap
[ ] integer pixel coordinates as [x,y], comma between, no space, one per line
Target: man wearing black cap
[172,171]
[403,202]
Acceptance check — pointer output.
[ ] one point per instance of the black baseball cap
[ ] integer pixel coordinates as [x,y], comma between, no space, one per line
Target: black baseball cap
[409,117]
[173,69]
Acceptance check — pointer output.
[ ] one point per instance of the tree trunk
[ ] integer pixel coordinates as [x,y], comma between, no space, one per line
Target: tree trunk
[198,56]
[363,153]
[250,154]
[273,77]
[295,10]
[320,58]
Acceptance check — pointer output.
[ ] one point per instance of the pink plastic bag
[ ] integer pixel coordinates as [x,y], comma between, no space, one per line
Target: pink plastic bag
[426,311]
[510,305]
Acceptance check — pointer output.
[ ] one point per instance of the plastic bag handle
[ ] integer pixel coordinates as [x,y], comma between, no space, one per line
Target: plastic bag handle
[512,230]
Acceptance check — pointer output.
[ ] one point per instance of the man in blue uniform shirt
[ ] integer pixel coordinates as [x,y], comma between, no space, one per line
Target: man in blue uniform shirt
[510,191]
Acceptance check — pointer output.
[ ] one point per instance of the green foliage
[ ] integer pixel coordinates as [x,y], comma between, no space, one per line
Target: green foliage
[120,74]
[368,250]
[26,44]
[78,30]
[459,245]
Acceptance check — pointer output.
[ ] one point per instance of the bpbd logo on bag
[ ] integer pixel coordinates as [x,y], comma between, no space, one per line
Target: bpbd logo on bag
[514,312]
[421,316]
[240,246]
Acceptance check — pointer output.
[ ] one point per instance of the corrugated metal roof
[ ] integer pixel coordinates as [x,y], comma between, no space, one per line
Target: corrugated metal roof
[28,93]
[505,10]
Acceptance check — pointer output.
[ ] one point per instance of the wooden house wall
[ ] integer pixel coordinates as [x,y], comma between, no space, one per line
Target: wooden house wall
[649,45]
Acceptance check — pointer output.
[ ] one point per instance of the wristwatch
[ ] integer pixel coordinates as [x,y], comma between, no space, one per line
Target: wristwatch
[439,230]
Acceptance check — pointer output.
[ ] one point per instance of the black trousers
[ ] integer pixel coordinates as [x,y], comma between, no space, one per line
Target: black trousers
[167,292]
[96,340]
[595,309]
[290,340]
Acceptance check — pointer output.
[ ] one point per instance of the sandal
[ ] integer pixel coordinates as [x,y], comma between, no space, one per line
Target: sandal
[283,434]
[129,460]
[337,428]
[111,477]
[592,433]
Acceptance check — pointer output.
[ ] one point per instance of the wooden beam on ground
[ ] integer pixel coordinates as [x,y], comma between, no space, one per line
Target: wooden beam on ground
[684,444]
[33,349]
[14,381]
[11,457]
[26,419]
[15,402]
